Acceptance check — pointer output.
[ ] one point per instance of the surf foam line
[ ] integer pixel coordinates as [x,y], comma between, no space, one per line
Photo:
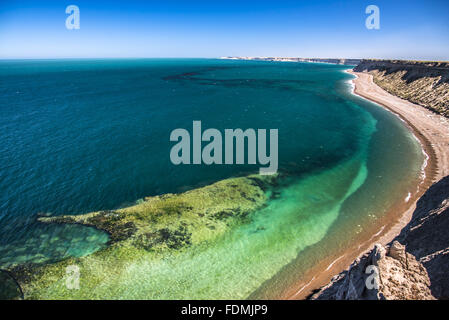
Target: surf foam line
[411,130]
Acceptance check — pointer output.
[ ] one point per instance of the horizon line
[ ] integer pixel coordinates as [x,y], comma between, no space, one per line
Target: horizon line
[219,58]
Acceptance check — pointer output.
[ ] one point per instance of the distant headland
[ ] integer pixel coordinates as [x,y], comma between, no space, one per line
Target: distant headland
[320,60]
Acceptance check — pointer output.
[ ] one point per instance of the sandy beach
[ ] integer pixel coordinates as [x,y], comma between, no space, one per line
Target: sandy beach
[432,131]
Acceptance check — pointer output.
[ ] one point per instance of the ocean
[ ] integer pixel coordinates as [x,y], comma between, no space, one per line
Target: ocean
[78,136]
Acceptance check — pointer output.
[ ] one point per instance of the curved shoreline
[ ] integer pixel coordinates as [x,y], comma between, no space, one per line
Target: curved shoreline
[433,168]
[432,132]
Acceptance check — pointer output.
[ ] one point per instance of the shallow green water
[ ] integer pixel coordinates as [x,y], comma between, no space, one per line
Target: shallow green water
[236,265]
[80,136]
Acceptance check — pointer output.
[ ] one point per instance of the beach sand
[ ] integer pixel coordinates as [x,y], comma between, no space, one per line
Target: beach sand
[432,131]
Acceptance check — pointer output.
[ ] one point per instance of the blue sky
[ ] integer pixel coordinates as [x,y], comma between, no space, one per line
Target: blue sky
[408,29]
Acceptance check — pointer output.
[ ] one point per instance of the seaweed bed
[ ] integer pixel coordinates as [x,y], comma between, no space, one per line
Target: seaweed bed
[158,227]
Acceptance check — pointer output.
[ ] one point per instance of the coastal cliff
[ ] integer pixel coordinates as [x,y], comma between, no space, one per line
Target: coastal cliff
[415,265]
[341,61]
[422,83]
[332,60]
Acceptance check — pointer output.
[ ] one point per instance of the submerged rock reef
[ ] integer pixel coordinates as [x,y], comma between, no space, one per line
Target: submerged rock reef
[420,82]
[414,266]
[154,228]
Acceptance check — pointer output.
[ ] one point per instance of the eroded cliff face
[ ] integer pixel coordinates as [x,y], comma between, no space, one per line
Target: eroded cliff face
[423,83]
[414,266]
[427,236]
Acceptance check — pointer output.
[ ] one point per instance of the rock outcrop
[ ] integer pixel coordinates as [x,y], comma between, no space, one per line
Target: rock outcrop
[383,273]
[427,236]
[420,82]
[414,266]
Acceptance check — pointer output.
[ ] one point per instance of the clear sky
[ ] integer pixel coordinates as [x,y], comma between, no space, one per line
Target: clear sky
[316,28]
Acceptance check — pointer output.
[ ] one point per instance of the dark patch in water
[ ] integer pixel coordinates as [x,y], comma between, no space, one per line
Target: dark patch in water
[177,238]
[9,287]
[282,84]
[174,239]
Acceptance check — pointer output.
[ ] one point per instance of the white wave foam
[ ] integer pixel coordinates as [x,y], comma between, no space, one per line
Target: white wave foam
[409,195]
[303,287]
[330,266]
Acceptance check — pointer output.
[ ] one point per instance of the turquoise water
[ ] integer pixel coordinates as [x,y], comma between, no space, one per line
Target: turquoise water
[80,136]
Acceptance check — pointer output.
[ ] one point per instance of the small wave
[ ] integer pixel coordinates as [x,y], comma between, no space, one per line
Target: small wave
[350,81]
[308,283]
[379,232]
[426,159]
[372,237]
[330,266]
[303,287]
[409,195]
[424,165]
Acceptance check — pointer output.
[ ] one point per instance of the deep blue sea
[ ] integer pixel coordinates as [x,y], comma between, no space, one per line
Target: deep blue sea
[83,135]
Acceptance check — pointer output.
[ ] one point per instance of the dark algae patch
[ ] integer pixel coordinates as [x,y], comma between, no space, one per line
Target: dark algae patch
[154,229]
[9,287]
